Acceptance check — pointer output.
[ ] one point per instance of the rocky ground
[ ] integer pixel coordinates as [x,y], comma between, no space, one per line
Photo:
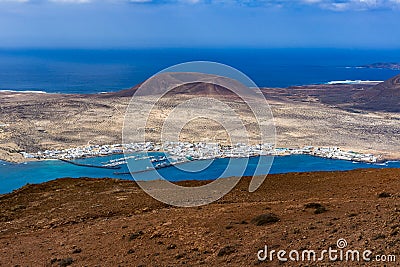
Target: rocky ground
[107,222]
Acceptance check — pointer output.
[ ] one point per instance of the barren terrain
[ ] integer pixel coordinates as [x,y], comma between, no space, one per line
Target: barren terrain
[106,222]
[319,115]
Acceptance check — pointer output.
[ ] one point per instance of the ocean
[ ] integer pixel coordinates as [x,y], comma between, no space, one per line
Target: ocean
[95,71]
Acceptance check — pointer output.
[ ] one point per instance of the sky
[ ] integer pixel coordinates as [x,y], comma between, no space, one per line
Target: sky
[200,23]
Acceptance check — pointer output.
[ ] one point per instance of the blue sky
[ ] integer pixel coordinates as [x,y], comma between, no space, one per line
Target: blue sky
[200,23]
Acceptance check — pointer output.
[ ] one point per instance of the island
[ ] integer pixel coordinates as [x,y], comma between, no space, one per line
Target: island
[382,65]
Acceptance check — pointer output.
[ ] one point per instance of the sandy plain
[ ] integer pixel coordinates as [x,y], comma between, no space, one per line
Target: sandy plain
[302,116]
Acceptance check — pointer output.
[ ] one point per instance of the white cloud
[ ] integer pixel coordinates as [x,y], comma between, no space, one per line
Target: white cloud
[71,1]
[140,1]
[335,5]
[312,1]
[15,1]
[191,1]
[359,5]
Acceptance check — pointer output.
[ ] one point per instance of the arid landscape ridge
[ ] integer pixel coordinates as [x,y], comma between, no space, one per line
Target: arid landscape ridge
[359,117]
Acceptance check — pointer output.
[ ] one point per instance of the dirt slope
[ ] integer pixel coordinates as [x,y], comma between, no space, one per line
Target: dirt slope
[106,222]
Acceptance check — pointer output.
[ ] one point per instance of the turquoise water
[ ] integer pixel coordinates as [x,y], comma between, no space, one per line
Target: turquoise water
[14,176]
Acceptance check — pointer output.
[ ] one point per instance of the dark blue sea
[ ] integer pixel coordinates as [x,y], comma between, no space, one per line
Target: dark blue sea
[94,71]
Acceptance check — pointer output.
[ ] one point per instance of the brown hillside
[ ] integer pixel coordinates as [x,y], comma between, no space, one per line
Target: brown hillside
[107,222]
[382,97]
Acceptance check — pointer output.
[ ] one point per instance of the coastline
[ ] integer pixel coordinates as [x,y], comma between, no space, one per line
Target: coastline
[150,147]
[378,161]
[186,151]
